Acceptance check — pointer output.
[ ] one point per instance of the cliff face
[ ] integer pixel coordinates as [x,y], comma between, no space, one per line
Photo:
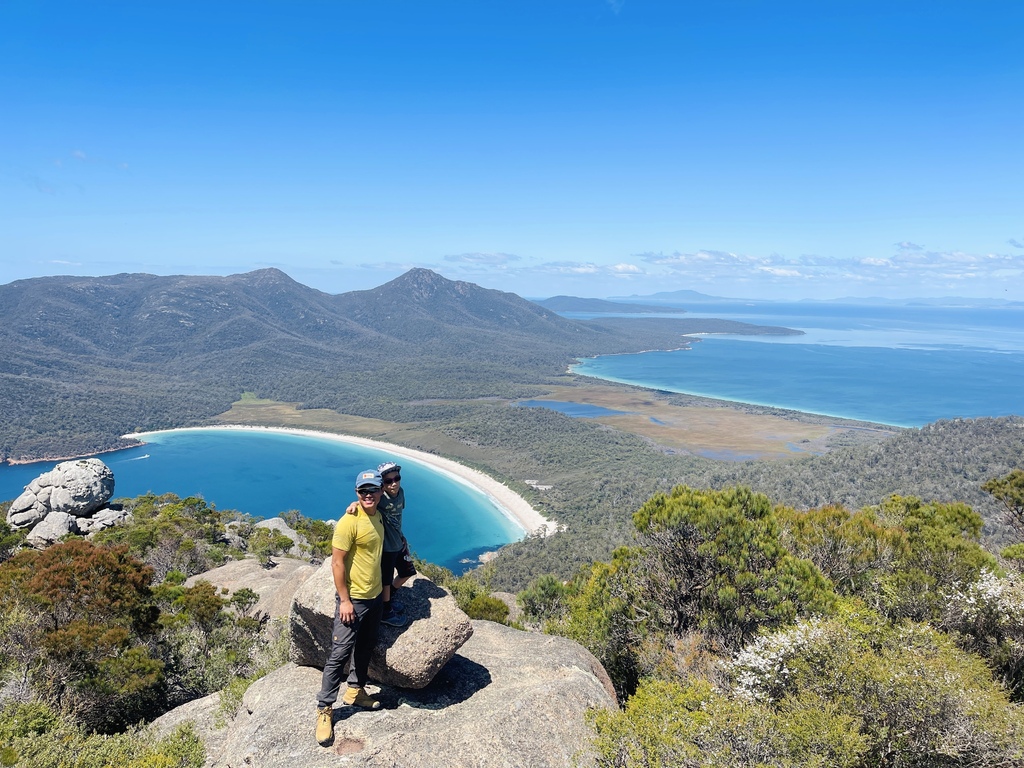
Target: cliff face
[507,698]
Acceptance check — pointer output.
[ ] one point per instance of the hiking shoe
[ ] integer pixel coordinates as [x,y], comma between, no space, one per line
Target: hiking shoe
[397,605]
[325,725]
[357,697]
[392,619]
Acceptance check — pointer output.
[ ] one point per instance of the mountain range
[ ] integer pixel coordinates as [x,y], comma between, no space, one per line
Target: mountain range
[84,360]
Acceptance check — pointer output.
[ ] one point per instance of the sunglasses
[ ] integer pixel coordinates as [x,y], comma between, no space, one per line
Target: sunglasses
[392,479]
[367,491]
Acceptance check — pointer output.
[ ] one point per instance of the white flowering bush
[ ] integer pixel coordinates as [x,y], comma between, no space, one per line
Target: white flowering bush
[913,696]
[764,667]
[987,617]
[990,604]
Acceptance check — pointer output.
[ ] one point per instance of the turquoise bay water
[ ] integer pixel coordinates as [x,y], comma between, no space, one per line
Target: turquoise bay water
[905,366]
[266,473]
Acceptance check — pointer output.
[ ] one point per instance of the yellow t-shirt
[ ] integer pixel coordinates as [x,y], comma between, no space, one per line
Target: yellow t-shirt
[361,537]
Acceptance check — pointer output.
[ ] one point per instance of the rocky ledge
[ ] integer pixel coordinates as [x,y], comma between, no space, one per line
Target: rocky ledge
[507,699]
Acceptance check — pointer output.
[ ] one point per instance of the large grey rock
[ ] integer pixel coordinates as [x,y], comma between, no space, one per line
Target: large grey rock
[104,518]
[54,527]
[507,699]
[276,586]
[76,488]
[408,657]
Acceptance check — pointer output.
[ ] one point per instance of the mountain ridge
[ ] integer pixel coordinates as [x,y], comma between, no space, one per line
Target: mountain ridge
[87,360]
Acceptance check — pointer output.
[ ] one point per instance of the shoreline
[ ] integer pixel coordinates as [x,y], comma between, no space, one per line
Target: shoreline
[736,404]
[509,503]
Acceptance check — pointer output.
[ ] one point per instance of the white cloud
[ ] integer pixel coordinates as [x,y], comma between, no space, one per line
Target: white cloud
[488,259]
[777,272]
[911,267]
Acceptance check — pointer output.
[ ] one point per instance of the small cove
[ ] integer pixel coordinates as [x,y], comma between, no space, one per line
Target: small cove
[264,473]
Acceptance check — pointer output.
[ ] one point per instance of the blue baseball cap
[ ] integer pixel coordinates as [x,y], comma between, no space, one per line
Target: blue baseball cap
[368,477]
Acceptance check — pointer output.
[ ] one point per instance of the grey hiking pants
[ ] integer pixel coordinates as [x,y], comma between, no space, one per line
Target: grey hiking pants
[353,644]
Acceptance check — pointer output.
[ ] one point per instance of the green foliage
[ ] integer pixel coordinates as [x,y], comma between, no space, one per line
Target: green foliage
[851,549]
[714,561]
[172,534]
[940,550]
[201,605]
[33,736]
[919,699]
[1009,491]
[266,543]
[685,725]
[986,616]
[317,533]
[709,562]
[10,539]
[851,690]
[244,599]
[77,623]
[273,654]
[487,607]
[1013,552]
[544,599]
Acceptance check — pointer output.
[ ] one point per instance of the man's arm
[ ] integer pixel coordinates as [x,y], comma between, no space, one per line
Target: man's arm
[346,612]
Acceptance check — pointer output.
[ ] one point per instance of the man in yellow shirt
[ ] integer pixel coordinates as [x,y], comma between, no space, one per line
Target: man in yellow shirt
[355,561]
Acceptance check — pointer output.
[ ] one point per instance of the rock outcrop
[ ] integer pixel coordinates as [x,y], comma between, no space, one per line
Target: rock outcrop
[408,657]
[66,500]
[299,543]
[276,586]
[507,699]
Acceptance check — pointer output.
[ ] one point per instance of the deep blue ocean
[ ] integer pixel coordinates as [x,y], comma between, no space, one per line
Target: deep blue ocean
[262,473]
[905,366]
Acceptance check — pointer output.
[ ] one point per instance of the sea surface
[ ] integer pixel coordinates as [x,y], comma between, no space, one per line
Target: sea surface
[264,473]
[905,366]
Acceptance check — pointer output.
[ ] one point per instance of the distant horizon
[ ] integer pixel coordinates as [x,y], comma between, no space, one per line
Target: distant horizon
[774,151]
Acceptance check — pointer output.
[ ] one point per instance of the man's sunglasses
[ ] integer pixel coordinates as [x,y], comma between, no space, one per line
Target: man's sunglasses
[367,491]
[392,479]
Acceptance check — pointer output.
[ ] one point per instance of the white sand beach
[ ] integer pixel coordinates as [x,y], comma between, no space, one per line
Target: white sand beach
[512,505]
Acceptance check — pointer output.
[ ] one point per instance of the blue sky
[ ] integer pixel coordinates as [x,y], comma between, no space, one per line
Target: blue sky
[584,147]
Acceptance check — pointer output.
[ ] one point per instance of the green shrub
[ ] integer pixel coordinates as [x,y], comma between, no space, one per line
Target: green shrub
[488,608]
[68,745]
[919,699]
[940,550]
[670,724]
[544,599]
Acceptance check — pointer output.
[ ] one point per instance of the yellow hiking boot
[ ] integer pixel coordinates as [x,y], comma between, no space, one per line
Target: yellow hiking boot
[357,697]
[325,724]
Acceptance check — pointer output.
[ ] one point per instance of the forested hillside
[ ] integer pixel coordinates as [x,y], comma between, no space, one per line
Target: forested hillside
[599,477]
[86,360]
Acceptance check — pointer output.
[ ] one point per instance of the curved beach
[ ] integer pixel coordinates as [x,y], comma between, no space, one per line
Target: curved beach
[511,504]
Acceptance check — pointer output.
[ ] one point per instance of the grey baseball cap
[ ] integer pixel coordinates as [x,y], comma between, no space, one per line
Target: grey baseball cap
[388,466]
